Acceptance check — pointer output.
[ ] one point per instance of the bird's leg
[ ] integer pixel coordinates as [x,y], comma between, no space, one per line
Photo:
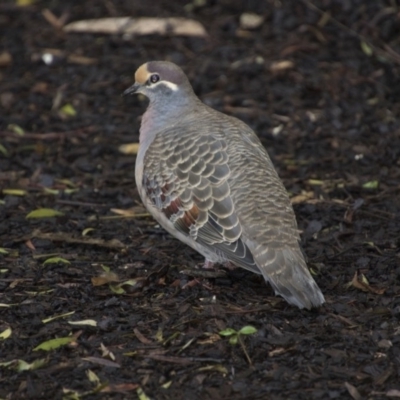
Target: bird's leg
[229,265]
[203,272]
[208,264]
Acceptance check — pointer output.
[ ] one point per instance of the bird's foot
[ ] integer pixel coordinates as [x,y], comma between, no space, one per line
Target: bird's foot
[229,265]
[208,264]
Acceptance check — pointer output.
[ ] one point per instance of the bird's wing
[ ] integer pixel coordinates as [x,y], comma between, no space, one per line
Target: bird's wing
[188,183]
[269,227]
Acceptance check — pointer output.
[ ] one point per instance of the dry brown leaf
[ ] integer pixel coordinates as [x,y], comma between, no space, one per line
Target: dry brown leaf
[57,23]
[212,338]
[279,66]
[279,350]
[131,212]
[102,361]
[302,198]
[354,393]
[71,58]
[104,279]
[360,282]
[139,26]
[30,245]
[81,60]
[143,339]
[119,388]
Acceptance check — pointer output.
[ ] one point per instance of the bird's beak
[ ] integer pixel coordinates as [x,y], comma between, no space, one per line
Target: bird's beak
[133,89]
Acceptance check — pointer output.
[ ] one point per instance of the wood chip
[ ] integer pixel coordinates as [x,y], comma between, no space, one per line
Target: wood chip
[139,26]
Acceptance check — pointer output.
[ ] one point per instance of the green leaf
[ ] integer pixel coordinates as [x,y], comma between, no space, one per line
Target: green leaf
[66,182]
[315,182]
[7,363]
[16,129]
[233,339]
[5,334]
[130,282]
[45,321]
[228,332]
[56,260]
[364,279]
[68,110]
[105,268]
[86,231]
[21,365]
[216,367]
[15,192]
[70,191]
[367,49]
[51,191]
[69,394]
[248,330]
[3,250]
[42,292]
[44,213]
[142,395]
[117,289]
[92,377]
[89,322]
[24,366]
[371,185]
[166,385]
[3,150]
[159,335]
[54,343]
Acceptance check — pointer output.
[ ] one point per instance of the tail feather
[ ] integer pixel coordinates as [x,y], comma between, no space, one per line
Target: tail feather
[287,272]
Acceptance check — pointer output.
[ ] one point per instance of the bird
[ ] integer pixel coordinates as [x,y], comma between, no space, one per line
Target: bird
[206,178]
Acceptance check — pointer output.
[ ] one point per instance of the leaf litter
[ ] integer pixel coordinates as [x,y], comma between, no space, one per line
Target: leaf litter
[330,126]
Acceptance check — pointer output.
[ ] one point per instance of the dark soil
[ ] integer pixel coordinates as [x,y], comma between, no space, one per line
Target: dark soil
[330,123]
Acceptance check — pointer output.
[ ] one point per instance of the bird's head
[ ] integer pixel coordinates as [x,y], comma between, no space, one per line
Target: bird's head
[161,81]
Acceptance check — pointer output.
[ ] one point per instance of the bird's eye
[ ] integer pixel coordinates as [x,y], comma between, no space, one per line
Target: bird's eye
[154,78]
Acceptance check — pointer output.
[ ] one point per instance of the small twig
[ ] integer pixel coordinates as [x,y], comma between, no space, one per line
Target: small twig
[113,217]
[244,349]
[79,203]
[180,360]
[55,22]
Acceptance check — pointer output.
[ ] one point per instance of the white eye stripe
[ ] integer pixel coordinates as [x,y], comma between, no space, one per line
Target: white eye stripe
[172,86]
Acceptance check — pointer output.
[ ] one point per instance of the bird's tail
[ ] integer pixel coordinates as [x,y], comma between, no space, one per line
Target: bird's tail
[287,272]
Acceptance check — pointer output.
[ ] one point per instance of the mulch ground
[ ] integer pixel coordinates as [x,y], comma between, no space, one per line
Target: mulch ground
[329,119]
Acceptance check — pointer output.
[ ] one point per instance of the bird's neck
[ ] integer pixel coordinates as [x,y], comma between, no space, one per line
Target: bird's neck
[161,116]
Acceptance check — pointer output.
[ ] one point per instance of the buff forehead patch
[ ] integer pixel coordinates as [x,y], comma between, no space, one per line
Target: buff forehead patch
[142,74]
